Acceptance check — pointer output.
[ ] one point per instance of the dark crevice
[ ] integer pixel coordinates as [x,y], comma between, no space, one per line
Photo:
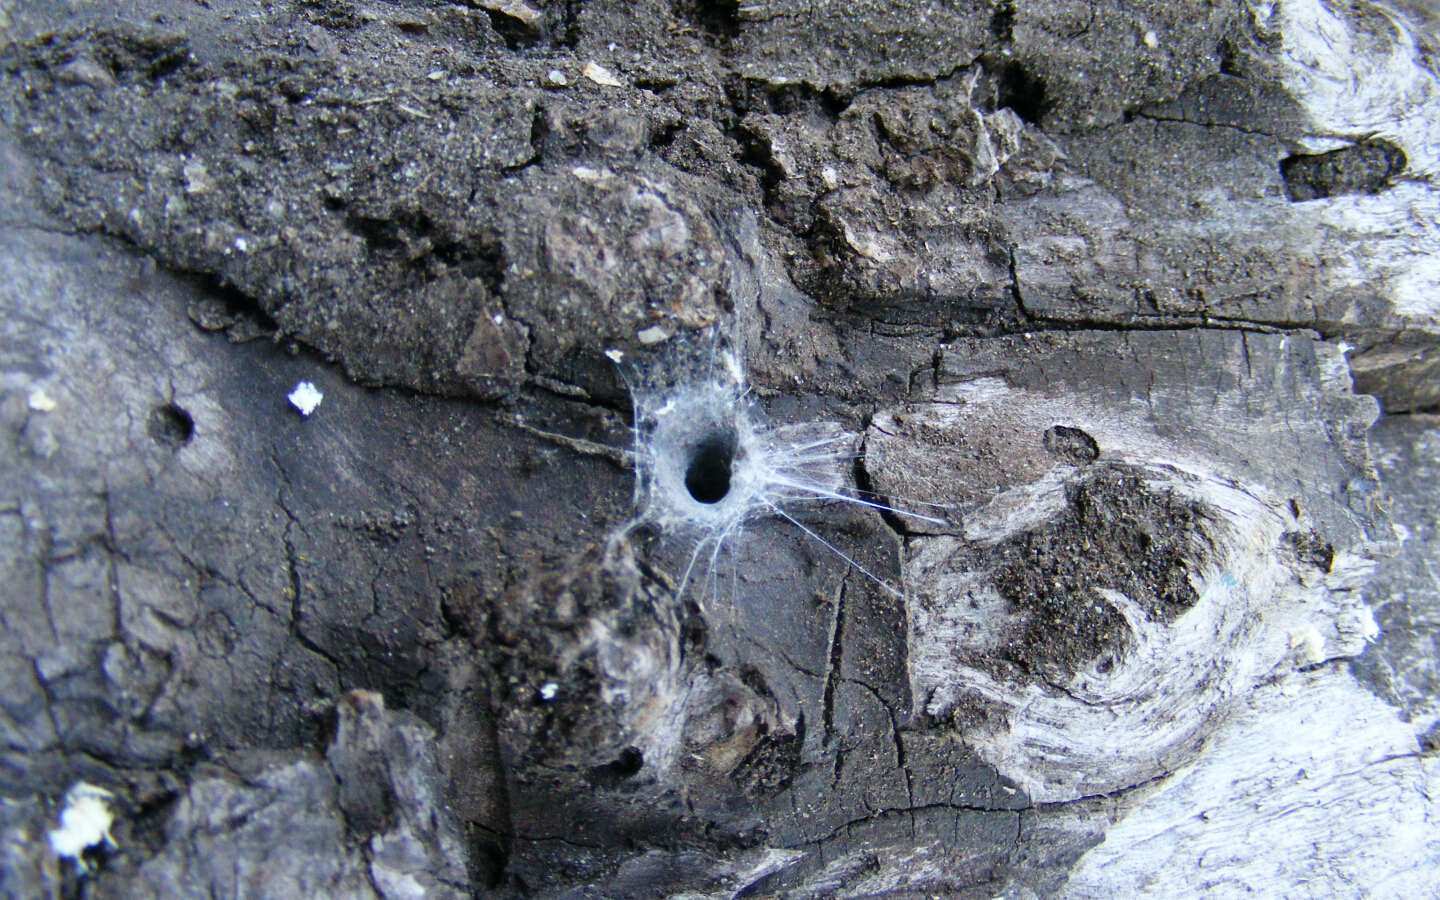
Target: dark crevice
[1002,21]
[895,812]
[771,765]
[1108,795]
[539,131]
[748,95]
[389,234]
[618,771]
[900,759]
[1046,325]
[1229,59]
[474,259]
[1015,290]
[832,674]
[338,15]
[487,852]
[1071,445]
[755,152]
[292,572]
[894,82]
[567,31]
[865,490]
[1131,115]
[234,303]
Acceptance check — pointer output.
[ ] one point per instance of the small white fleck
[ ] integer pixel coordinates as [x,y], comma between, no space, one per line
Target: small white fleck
[548,690]
[1152,40]
[436,75]
[41,401]
[306,397]
[615,355]
[241,244]
[84,822]
[653,335]
[600,75]
[554,78]
[498,319]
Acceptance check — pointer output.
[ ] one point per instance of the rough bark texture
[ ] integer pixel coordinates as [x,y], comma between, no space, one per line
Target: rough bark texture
[612,306]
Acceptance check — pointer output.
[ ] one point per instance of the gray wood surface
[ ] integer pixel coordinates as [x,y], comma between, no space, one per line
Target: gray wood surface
[617,310]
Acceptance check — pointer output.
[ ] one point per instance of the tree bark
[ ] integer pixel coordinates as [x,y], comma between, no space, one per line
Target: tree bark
[790,449]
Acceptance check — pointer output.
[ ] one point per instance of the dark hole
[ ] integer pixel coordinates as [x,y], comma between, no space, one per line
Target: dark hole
[627,765]
[1365,168]
[756,152]
[1071,444]
[1311,548]
[1022,92]
[708,477]
[1431,740]
[719,17]
[220,306]
[73,878]
[664,135]
[516,34]
[171,426]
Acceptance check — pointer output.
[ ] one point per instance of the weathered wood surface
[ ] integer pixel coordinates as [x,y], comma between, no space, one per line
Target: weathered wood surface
[1084,286]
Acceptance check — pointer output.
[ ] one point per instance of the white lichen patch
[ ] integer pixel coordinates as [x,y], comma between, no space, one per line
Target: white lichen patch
[1308,644]
[1387,244]
[1359,73]
[85,822]
[1316,789]
[1120,720]
[1105,594]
